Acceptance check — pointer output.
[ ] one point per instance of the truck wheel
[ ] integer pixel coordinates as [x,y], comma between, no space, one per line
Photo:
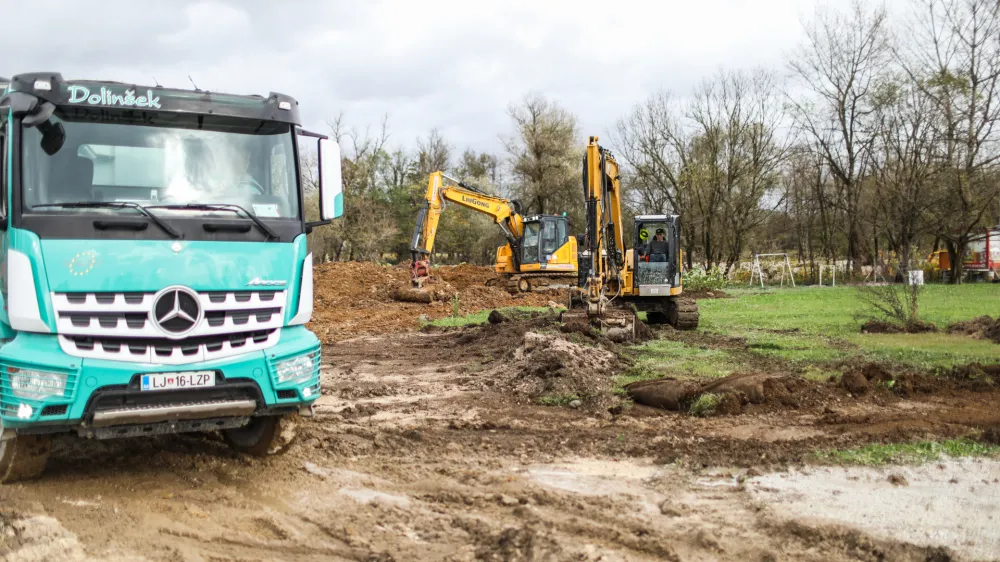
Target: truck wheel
[23,457]
[256,437]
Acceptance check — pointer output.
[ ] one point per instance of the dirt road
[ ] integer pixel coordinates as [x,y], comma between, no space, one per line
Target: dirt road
[426,448]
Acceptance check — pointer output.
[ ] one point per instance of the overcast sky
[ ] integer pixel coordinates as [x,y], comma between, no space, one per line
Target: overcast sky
[429,63]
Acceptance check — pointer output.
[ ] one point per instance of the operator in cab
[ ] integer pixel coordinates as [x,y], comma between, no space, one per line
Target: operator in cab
[654,250]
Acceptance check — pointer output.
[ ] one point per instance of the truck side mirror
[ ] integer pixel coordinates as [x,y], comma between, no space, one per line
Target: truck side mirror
[331,187]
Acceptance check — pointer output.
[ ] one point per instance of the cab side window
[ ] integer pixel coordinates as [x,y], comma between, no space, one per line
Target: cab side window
[560,233]
[549,238]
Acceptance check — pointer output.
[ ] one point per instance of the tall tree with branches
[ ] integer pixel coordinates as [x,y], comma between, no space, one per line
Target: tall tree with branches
[955,60]
[839,66]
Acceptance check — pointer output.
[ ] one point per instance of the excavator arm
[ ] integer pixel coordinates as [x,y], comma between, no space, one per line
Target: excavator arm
[605,232]
[604,242]
[442,189]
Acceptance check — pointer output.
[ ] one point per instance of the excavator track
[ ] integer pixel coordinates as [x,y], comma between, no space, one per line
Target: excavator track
[682,313]
[536,283]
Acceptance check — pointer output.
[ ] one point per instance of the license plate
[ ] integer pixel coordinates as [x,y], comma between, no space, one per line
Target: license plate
[173,381]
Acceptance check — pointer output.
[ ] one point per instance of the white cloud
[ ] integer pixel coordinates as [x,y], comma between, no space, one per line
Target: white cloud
[435,63]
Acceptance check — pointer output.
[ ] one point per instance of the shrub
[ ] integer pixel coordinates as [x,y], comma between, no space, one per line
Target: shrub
[699,279]
[705,404]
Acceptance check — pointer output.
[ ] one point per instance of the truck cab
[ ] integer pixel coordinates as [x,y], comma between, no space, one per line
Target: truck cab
[154,272]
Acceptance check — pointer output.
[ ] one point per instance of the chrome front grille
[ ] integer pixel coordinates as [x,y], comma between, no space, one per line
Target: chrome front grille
[122,326]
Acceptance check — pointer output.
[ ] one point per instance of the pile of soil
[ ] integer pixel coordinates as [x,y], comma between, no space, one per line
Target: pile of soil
[981,328]
[882,327]
[356,298]
[547,365]
[757,392]
[733,393]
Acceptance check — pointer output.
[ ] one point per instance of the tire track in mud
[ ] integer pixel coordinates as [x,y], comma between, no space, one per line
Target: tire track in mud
[409,459]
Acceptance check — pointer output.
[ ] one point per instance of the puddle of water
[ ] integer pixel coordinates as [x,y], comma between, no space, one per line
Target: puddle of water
[592,477]
[955,503]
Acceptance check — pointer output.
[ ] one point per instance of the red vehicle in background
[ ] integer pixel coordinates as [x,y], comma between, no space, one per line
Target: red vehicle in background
[982,258]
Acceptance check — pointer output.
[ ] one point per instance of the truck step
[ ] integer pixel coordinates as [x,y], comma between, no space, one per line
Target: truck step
[169,412]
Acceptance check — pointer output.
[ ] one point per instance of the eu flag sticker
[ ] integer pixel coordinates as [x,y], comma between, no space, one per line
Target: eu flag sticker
[145,382]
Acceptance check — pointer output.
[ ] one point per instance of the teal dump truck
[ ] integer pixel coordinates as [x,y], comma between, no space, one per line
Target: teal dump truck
[154,271]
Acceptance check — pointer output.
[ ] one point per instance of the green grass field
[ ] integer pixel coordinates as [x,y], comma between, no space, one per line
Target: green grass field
[816,330]
[878,454]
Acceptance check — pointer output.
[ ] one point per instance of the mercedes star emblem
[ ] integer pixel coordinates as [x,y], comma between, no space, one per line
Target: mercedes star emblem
[176,311]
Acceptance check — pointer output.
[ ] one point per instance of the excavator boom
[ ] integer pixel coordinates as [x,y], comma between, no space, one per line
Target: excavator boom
[550,246]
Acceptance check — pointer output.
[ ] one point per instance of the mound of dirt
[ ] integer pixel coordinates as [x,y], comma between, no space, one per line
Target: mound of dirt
[763,392]
[982,328]
[733,392]
[356,298]
[882,327]
[549,366]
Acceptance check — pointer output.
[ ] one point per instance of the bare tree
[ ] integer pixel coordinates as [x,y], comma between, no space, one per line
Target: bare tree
[839,65]
[955,61]
[736,116]
[653,144]
[903,169]
[545,157]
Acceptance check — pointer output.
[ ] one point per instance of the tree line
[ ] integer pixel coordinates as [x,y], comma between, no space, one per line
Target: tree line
[876,142]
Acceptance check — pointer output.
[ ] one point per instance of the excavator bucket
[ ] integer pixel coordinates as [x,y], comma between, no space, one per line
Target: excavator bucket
[416,291]
[619,324]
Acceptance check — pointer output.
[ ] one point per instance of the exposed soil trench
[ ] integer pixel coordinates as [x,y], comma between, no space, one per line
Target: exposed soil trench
[430,446]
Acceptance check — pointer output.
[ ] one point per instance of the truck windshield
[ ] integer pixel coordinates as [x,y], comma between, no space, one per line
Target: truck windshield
[163,159]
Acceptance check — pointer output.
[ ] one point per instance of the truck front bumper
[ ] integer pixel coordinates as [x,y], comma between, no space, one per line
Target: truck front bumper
[42,389]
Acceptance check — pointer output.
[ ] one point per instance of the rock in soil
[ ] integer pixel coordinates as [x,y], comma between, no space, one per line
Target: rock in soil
[668,394]
[854,382]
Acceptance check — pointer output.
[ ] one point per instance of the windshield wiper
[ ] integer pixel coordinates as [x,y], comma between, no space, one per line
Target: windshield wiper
[114,205]
[268,232]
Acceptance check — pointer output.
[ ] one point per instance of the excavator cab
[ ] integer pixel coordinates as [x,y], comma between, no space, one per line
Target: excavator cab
[544,236]
[656,259]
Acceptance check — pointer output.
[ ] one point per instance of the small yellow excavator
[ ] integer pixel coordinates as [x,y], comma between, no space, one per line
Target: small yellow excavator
[615,282]
[539,254]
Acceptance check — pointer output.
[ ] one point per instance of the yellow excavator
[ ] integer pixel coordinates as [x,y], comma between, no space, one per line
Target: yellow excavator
[539,254]
[615,282]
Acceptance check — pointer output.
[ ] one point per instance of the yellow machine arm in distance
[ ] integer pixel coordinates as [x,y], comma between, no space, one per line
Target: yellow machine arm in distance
[441,188]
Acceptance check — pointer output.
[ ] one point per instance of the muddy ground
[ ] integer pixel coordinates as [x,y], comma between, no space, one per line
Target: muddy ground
[432,445]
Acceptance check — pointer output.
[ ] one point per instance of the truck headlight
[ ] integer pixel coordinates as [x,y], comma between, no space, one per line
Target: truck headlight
[297,369]
[32,384]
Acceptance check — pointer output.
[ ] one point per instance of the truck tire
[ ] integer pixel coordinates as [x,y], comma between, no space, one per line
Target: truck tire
[23,457]
[256,437]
